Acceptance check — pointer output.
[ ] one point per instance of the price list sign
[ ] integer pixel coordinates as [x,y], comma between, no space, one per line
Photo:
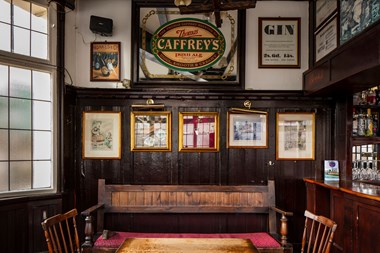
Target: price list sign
[279,42]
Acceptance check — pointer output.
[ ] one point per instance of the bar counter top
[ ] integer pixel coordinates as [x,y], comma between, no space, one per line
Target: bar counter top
[356,188]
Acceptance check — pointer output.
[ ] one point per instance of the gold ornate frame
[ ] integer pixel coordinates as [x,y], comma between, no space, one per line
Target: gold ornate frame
[101,135]
[196,129]
[295,136]
[151,131]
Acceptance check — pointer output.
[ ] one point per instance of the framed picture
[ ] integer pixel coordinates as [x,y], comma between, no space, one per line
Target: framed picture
[279,42]
[357,15]
[326,40]
[105,61]
[323,10]
[176,51]
[295,136]
[151,131]
[198,132]
[247,130]
[101,137]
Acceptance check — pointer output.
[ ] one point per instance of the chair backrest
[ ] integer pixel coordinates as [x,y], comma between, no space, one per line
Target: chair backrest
[61,232]
[318,233]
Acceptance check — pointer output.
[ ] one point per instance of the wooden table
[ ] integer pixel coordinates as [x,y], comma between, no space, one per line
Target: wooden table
[187,245]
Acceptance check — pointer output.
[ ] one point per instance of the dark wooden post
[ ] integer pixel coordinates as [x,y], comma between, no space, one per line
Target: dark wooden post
[89,234]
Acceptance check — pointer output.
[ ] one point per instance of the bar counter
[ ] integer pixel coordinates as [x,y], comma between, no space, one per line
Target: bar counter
[356,188]
[354,206]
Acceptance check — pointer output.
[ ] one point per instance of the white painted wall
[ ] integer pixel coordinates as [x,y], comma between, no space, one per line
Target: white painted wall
[275,79]
[79,37]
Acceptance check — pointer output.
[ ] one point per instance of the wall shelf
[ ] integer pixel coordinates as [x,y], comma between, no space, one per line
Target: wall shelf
[357,141]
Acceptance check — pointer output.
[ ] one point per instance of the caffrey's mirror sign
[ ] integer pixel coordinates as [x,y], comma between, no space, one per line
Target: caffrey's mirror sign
[188,44]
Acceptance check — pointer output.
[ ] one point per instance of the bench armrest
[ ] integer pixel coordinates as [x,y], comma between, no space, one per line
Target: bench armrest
[89,227]
[283,225]
[92,209]
[280,211]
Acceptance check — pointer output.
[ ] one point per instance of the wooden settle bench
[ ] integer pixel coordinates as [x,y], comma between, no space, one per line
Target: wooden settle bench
[176,199]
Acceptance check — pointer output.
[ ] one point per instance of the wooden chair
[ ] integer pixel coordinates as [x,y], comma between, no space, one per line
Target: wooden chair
[61,232]
[318,233]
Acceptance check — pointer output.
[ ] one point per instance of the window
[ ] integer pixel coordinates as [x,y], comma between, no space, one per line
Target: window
[27,100]
[24,28]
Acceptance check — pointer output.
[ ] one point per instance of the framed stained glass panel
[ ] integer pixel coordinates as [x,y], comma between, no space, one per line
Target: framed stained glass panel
[198,132]
[151,131]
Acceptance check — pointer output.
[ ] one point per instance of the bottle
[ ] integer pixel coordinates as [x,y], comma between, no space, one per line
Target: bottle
[361,124]
[377,95]
[371,97]
[356,98]
[354,123]
[368,123]
[97,63]
[363,98]
[375,123]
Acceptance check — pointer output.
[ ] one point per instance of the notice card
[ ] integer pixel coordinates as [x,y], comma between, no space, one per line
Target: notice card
[331,170]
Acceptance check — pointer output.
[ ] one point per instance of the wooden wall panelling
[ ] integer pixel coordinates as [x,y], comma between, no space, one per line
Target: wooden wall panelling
[289,174]
[21,219]
[14,228]
[337,208]
[367,237]
[343,132]
[36,211]
[352,67]
[228,166]
[348,223]
[207,223]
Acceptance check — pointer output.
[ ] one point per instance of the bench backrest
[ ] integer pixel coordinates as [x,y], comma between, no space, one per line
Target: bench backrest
[186,198]
[115,198]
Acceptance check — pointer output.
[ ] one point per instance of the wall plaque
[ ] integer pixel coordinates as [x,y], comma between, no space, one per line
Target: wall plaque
[326,40]
[279,42]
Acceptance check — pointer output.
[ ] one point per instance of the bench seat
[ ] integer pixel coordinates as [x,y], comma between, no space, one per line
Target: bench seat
[185,199]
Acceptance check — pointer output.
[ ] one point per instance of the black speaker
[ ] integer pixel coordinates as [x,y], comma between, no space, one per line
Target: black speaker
[102,26]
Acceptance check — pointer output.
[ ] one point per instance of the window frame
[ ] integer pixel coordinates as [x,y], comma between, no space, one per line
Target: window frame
[48,65]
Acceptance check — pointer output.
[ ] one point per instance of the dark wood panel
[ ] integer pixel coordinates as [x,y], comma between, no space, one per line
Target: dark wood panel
[20,221]
[38,211]
[188,223]
[359,57]
[366,232]
[317,78]
[226,167]
[356,214]
[14,228]
[352,67]
[337,209]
